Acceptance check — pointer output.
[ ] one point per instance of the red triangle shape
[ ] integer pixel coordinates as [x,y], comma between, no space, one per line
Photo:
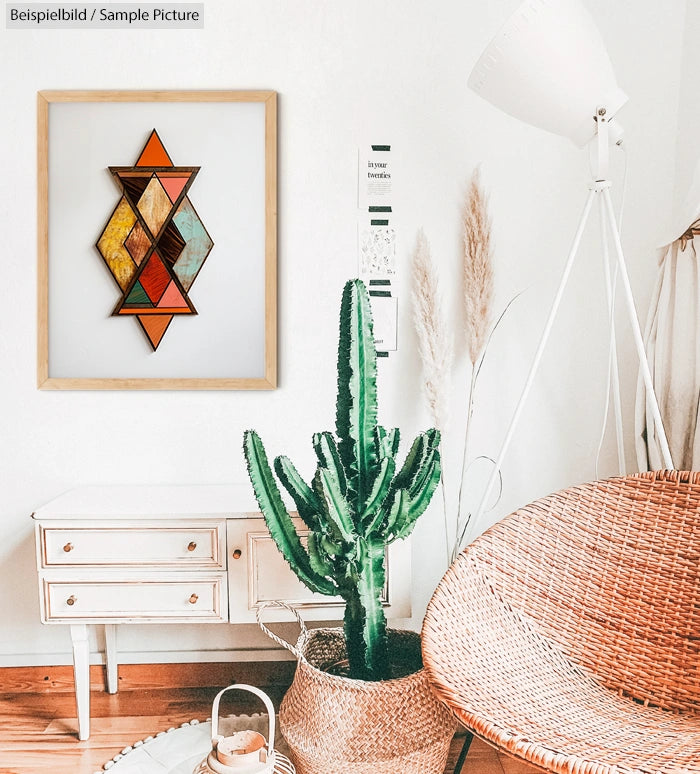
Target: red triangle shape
[172,297]
[173,185]
[154,326]
[154,154]
[154,277]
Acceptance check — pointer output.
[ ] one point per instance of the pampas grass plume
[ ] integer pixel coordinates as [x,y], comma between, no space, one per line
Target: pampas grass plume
[434,341]
[477,273]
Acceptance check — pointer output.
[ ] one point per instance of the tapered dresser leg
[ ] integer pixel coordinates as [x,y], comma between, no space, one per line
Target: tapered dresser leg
[111,663]
[81,671]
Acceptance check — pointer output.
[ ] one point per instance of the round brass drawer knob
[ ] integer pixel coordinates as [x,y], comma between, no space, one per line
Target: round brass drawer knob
[68,547]
[72,599]
[237,553]
[193,599]
[192,546]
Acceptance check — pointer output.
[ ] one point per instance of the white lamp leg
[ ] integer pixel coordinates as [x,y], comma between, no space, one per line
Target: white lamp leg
[638,339]
[614,373]
[538,357]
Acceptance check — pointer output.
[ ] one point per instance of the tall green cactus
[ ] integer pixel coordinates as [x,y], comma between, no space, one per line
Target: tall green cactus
[358,501]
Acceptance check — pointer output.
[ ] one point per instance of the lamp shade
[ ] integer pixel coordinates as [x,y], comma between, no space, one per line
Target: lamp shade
[548,66]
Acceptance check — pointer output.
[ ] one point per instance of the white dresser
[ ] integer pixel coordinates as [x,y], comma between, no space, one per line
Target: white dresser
[178,554]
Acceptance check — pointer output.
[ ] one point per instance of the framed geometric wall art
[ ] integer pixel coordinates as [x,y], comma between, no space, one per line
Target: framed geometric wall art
[157,240]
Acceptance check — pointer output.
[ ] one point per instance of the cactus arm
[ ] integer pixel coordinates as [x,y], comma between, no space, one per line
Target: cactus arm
[423,471]
[277,518]
[387,443]
[304,497]
[316,556]
[331,548]
[321,562]
[356,407]
[326,526]
[408,503]
[418,501]
[423,449]
[328,457]
[373,512]
[380,440]
[397,513]
[411,464]
[394,439]
[337,505]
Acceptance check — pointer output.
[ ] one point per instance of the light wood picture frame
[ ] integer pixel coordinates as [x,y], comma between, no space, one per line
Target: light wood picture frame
[217,334]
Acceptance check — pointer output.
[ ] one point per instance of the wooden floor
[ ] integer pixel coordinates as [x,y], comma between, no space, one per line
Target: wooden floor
[38,729]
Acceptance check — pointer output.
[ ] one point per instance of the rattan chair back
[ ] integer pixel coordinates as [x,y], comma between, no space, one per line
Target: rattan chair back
[610,570]
[569,634]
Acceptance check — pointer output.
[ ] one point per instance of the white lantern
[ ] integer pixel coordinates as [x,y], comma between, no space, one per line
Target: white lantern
[245,752]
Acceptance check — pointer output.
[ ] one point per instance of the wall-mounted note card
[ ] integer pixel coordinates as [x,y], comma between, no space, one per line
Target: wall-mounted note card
[376,241]
[374,176]
[385,315]
[377,250]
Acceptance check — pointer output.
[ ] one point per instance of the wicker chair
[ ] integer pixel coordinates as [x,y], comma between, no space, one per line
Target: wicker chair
[568,635]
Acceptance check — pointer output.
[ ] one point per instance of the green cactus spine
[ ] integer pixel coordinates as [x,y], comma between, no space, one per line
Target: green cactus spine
[358,501]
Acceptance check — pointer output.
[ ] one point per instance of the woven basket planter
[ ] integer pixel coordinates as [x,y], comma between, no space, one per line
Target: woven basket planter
[334,724]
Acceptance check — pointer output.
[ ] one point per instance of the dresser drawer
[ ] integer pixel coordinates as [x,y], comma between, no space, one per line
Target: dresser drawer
[201,598]
[193,546]
[256,566]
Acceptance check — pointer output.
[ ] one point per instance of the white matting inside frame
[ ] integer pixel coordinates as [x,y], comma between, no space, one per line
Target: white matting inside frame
[226,339]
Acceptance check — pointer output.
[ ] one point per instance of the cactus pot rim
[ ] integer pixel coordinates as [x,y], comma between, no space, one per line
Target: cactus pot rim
[405,639]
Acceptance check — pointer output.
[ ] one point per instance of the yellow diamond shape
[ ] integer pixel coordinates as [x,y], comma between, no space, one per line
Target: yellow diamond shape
[111,243]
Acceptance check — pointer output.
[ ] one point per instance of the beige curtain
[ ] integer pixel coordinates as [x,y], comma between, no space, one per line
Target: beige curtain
[672,340]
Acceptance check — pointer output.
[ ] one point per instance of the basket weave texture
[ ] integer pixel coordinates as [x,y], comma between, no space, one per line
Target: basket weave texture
[569,633]
[333,724]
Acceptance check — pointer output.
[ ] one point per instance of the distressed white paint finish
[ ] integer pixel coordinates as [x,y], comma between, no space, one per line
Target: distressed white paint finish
[157,581]
[123,544]
[135,598]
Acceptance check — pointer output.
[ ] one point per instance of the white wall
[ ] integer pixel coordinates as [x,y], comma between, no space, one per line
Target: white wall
[347,74]
[688,149]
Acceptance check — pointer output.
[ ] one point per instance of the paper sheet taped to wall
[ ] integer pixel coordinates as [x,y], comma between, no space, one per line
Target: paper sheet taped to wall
[385,315]
[376,241]
[375,181]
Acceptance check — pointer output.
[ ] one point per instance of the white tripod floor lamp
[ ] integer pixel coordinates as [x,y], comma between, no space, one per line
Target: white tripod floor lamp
[548,67]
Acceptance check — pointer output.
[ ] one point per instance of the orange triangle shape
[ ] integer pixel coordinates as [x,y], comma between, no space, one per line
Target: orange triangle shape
[154,154]
[173,185]
[155,325]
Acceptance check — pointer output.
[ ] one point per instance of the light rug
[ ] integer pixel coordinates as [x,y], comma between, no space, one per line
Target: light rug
[179,750]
